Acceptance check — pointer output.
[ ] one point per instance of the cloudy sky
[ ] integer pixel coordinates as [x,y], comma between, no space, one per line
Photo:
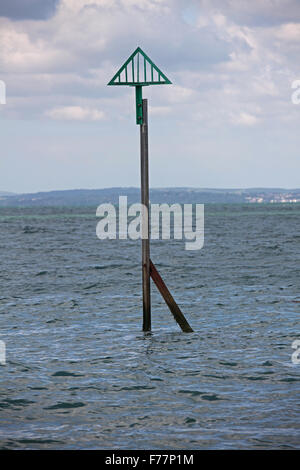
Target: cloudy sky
[227,120]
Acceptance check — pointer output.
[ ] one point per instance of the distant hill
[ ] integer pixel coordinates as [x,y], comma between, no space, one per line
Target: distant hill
[5,193]
[94,197]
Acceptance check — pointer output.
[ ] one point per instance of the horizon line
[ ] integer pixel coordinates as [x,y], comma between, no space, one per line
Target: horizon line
[257,188]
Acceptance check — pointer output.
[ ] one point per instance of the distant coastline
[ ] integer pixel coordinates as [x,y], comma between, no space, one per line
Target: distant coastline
[90,197]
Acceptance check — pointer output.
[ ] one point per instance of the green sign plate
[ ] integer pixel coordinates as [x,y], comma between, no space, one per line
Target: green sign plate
[139,70]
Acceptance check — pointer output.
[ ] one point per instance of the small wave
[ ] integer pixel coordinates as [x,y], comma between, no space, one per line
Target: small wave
[290,379]
[189,420]
[91,286]
[65,405]
[138,387]
[193,393]
[232,364]
[8,403]
[256,377]
[64,373]
[267,363]
[37,441]
[31,229]
[211,397]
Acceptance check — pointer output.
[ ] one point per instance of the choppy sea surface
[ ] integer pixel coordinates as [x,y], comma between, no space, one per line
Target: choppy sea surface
[79,372]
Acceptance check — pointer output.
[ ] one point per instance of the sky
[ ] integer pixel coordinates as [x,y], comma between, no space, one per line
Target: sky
[227,121]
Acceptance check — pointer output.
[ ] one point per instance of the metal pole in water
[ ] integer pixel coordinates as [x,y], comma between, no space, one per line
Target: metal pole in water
[145,219]
[131,74]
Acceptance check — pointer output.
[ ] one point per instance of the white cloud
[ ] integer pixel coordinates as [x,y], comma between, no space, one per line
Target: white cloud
[159,110]
[245,119]
[289,32]
[222,61]
[75,113]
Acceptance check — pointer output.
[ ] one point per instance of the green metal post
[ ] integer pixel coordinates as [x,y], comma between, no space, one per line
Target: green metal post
[139,104]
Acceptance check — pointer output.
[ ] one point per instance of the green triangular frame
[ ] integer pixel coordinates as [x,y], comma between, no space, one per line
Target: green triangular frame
[117,80]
